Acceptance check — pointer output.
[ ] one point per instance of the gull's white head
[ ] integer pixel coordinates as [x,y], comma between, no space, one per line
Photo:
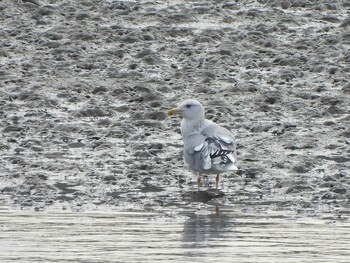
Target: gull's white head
[189,110]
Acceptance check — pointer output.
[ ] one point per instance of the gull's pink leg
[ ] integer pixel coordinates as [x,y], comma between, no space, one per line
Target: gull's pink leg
[217,182]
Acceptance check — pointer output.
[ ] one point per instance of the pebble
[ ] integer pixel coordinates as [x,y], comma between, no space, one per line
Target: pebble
[99,90]
[91,112]
[43,11]
[109,178]
[261,128]
[104,122]
[84,36]
[82,15]
[155,115]
[346,88]
[76,145]
[345,22]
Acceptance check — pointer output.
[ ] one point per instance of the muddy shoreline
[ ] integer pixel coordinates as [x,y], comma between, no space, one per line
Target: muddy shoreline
[85,86]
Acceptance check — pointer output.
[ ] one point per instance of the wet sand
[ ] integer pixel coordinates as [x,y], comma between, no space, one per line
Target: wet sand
[91,166]
[85,86]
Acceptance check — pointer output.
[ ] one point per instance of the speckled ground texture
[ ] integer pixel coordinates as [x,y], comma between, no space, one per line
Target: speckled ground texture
[85,86]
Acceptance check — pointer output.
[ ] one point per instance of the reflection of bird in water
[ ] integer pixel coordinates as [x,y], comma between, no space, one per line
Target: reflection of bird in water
[208,147]
[199,228]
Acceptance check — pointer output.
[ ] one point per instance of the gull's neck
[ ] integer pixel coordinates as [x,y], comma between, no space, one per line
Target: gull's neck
[191,126]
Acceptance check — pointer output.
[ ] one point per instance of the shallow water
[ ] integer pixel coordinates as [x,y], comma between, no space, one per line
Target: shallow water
[209,234]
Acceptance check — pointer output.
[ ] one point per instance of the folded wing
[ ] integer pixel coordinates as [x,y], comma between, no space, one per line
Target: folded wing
[211,151]
[222,147]
[196,153]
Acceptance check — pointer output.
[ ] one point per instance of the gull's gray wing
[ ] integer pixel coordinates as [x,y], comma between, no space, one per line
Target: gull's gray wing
[220,135]
[196,152]
[221,145]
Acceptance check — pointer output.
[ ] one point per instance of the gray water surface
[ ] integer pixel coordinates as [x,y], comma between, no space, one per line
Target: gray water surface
[207,234]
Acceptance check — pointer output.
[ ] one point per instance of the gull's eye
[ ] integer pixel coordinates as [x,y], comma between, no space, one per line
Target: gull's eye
[188,106]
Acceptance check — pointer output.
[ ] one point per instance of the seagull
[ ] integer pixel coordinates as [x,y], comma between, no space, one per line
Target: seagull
[208,147]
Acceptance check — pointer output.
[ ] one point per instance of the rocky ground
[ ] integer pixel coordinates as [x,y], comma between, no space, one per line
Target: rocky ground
[85,85]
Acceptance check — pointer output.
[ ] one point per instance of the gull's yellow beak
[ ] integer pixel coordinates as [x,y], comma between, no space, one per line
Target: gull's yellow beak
[172,112]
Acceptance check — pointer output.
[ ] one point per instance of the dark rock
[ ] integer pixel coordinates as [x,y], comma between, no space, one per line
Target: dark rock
[37,149]
[82,16]
[84,36]
[52,44]
[331,19]
[63,50]
[225,52]
[148,37]
[156,104]
[114,52]
[345,22]
[65,188]
[43,11]
[246,86]
[202,196]
[119,6]
[113,73]
[104,122]
[130,39]
[301,169]
[156,115]
[338,159]
[285,4]
[114,194]
[230,5]
[272,97]
[151,60]
[76,145]
[31,1]
[346,88]
[144,53]
[335,110]
[53,36]
[109,178]
[91,112]
[87,66]
[148,123]
[346,36]
[252,173]
[261,128]
[123,108]
[99,90]
[264,64]
[298,188]
[151,188]
[346,133]
[287,61]
[205,90]
[288,75]
[339,190]
[12,128]
[307,95]
[332,70]
[178,17]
